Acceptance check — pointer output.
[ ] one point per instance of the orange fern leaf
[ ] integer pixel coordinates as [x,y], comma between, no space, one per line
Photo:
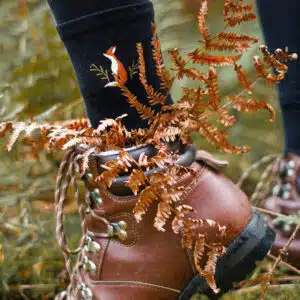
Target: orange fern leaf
[241,103]
[262,72]
[105,179]
[238,19]
[218,138]
[143,160]
[224,117]
[146,113]
[180,212]
[285,56]
[212,60]
[4,127]
[164,211]
[161,160]
[244,81]
[199,250]
[271,60]
[17,129]
[90,141]
[233,37]
[213,89]
[203,11]
[147,197]
[85,160]
[238,47]
[231,42]
[136,180]
[180,67]
[210,267]
[161,71]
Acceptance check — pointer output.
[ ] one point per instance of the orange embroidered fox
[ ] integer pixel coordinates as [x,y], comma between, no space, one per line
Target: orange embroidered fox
[117,69]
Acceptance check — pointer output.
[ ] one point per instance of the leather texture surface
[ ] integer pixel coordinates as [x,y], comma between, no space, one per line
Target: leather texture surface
[150,264]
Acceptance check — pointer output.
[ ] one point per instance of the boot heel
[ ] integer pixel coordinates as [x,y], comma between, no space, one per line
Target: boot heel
[250,246]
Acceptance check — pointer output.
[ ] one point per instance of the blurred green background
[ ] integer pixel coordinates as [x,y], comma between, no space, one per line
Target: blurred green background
[36,79]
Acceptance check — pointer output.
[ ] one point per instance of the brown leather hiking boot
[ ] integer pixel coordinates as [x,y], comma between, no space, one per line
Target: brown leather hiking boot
[122,259]
[286,200]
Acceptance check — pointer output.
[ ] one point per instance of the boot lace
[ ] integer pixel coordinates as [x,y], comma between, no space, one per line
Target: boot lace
[274,177]
[66,178]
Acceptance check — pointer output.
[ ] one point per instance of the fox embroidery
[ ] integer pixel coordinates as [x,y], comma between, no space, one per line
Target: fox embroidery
[117,69]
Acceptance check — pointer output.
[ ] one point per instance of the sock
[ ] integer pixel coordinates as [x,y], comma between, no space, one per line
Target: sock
[280,23]
[89,29]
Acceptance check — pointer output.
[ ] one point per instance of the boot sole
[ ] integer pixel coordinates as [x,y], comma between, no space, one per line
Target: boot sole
[250,246]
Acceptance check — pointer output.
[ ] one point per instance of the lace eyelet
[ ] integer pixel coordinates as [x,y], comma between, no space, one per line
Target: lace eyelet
[290,172]
[286,187]
[85,292]
[119,230]
[276,190]
[88,265]
[291,164]
[91,246]
[95,195]
[88,175]
[286,195]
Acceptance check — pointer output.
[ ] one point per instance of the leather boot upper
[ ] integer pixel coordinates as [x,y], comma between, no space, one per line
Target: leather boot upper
[136,261]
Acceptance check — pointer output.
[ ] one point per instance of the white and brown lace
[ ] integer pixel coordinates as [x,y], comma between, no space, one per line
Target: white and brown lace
[66,178]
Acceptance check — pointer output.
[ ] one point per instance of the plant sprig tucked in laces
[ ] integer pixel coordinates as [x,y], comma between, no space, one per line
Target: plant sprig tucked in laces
[204,110]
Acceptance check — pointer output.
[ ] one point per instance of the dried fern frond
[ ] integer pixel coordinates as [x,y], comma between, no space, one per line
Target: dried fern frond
[263,72]
[225,118]
[241,103]
[213,89]
[271,60]
[219,138]
[181,70]
[147,197]
[285,56]
[210,267]
[234,37]
[226,41]
[145,112]
[227,46]
[244,81]
[137,179]
[199,249]
[237,13]
[17,129]
[196,111]
[85,160]
[22,127]
[82,140]
[161,70]
[203,11]
[4,127]
[164,212]
[161,159]
[212,60]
